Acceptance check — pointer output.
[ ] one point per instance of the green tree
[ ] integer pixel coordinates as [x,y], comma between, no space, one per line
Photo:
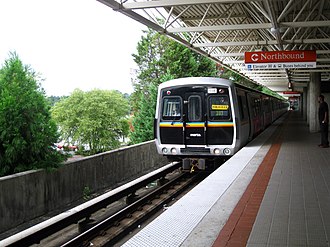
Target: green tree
[97,118]
[160,59]
[54,99]
[143,118]
[27,132]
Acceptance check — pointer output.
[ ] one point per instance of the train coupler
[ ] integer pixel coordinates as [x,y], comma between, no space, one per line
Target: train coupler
[193,164]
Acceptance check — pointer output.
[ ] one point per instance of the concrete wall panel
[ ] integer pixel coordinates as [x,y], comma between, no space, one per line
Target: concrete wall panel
[28,195]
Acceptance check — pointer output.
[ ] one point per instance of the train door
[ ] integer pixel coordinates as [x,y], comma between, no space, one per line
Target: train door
[255,114]
[194,119]
[244,128]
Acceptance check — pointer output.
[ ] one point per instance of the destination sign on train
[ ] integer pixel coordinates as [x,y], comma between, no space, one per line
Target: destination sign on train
[280,59]
[220,107]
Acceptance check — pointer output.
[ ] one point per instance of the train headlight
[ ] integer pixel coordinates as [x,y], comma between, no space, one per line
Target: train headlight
[226,151]
[164,150]
[216,151]
[173,151]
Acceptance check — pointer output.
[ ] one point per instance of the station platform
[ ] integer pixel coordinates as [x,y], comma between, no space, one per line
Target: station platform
[273,192]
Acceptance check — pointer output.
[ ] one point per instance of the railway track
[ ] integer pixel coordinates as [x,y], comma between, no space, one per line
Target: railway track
[106,219]
[112,229]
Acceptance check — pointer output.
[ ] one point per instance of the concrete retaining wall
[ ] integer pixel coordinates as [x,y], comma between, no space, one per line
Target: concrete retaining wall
[25,196]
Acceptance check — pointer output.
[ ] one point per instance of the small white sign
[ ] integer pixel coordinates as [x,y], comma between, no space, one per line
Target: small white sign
[296,65]
[211,90]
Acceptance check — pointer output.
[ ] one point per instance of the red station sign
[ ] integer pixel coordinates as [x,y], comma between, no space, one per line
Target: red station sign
[291,92]
[280,56]
[280,59]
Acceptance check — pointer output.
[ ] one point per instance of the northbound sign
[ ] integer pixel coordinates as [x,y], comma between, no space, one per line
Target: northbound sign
[280,59]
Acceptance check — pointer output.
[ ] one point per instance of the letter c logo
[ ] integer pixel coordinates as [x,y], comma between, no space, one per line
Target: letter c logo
[254,57]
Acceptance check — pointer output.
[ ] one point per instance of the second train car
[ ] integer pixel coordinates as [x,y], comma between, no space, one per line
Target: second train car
[204,120]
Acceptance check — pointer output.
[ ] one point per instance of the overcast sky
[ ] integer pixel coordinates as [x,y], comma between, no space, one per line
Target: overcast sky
[71,43]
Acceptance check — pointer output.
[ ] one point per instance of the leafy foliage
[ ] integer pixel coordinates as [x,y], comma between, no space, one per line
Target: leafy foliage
[160,59]
[97,118]
[54,99]
[27,131]
[143,118]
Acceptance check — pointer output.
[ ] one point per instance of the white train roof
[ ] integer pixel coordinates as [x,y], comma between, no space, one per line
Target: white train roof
[194,81]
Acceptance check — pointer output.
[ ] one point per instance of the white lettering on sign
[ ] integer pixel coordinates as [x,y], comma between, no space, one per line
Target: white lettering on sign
[255,57]
[280,56]
[195,135]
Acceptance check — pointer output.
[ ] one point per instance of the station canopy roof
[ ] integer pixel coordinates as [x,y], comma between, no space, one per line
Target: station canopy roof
[224,29]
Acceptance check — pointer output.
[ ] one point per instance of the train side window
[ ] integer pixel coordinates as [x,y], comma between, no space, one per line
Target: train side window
[171,108]
[219,107]
[266,105]
[194,108]
[257,107]
[242,106]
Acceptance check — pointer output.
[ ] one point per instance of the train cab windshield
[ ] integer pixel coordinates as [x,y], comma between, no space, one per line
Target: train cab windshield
[172,108]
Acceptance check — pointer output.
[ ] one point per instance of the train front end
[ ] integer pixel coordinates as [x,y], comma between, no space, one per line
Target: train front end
[195,121]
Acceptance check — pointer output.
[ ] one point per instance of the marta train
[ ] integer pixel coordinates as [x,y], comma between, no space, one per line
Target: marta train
[204,120]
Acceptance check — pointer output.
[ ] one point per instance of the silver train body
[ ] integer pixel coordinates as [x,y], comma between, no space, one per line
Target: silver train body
[202,120]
